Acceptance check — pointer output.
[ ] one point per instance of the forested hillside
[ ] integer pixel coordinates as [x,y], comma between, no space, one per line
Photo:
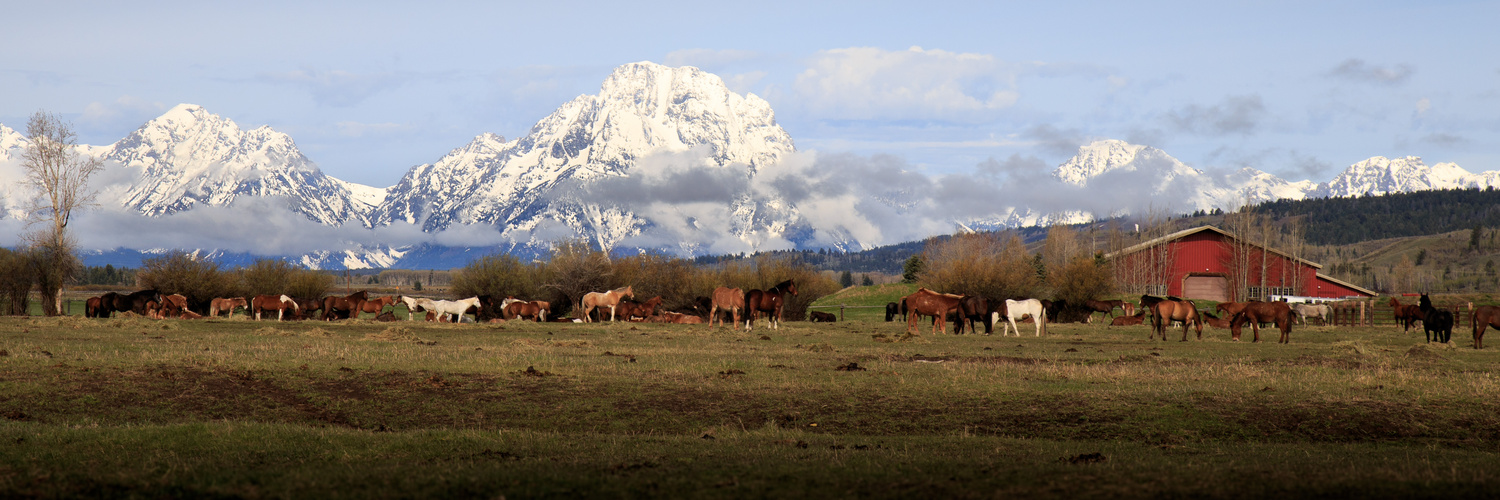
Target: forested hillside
[1343,221]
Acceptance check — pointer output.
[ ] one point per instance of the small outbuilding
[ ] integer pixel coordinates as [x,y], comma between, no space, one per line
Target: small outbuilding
[1206,262]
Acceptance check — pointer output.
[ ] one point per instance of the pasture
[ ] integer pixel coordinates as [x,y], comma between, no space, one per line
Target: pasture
[236,408]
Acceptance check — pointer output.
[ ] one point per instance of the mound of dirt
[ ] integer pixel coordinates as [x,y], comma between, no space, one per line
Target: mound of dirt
[1423,352]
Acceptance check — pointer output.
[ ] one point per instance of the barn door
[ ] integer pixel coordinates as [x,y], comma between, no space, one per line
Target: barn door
[1206,287]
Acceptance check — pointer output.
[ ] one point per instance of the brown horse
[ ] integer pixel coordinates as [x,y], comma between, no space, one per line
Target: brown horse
[1214,321]
[726,298]
[93,307]
[1406,315]
[771,301]
[336,307]
[1483,317]
[1165,312]
[226,305]
[278,303]
[1107,307]
[929,303]
[610,299]
[172,306]
[1256,312]
[640,310]
[376,305]
[1134,319]
[523,310]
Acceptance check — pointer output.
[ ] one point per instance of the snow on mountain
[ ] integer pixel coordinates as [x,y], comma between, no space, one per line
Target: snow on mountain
[13,194]
[1172,183]
[188,157]
[642,109]
[1380,175]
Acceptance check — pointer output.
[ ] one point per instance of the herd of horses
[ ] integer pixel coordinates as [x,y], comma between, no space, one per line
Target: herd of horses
[1164,312]
[754,304]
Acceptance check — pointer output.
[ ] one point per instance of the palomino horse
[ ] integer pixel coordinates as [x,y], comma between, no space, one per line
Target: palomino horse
[929,303]
[610,299]
[1436,323]
[455,307]
[1020,309]
[335,307]
[1320,311]
[1256,312]
[726,298]
[771,301]
[226,305]
[278,303]
[1483,317]
[1163,313]
[1405,315]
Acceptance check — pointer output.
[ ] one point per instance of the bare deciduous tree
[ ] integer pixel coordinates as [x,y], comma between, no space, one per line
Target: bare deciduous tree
[60,176]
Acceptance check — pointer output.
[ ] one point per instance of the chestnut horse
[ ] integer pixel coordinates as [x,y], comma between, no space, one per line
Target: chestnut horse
[226,305]
[1405,315]
[641,310]
[929,303]
[1131,320]
[610,299]
[726,298]
[278,303]
[1256,312]
[334,307]
[1482,318]
[1107,307]
[1165,312]
[93,307]
[375,306]
[771,301]
[521,309]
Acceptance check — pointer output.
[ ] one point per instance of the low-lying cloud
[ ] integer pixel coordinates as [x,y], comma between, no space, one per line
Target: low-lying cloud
[1357,70]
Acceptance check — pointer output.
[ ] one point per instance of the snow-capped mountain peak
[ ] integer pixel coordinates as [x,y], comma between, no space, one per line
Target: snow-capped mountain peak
[1096,158]
[189,156]
[1380,175]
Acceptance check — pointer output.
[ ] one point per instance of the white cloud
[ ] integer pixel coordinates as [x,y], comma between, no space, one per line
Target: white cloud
[866,83]
[1423,105]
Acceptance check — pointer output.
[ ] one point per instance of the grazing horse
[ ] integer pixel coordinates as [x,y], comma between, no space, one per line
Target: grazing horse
[305,308]
[929,303]
[1105,306]
[278,303]
[135,302]
[1166,311]
[891,310]
[335,307]
[771,301]
[226,305]
[455,307]
[732,299]
[374,306]
[1214,321]
[1436,323]
[1406,315]
[93,307]
[1320,311]
[1256,312]
[1019,309]
[172,306]
[411,306]
[973,308]
[1482,318]
[521,309]
[631,311]
[611,299]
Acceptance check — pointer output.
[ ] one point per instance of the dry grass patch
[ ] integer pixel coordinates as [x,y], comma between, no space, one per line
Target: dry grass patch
[399,334]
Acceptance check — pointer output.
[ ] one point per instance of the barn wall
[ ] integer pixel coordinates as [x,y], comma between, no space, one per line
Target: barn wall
[1209,253]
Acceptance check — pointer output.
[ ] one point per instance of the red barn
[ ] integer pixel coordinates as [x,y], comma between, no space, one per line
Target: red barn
[1205,262]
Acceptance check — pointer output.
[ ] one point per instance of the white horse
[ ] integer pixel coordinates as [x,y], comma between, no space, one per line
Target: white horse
[1019,309]
[413,305]
[1320,311]
[455,307]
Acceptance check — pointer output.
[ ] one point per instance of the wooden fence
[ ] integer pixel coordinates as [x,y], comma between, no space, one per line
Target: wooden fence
[1374,312]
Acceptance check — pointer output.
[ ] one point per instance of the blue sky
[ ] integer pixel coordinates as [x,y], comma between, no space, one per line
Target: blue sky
[369,89]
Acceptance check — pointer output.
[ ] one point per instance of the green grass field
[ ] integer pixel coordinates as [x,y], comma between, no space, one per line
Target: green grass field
[236,408]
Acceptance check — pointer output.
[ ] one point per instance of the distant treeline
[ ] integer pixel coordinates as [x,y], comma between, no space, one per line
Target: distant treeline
[1341,221]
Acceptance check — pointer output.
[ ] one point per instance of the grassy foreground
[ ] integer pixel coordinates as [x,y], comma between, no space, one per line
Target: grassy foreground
[234,408]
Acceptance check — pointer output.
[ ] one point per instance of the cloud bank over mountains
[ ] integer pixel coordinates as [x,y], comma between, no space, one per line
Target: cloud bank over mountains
[664,159]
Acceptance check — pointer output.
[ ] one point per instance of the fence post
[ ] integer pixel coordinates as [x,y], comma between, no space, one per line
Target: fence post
[841,313]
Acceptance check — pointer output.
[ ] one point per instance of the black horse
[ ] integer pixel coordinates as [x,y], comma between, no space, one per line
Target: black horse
[135,302]
[768,301]
[1437,323]
[891,310]
[971,309]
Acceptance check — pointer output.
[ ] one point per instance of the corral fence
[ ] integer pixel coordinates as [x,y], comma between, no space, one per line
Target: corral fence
[1378,312]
